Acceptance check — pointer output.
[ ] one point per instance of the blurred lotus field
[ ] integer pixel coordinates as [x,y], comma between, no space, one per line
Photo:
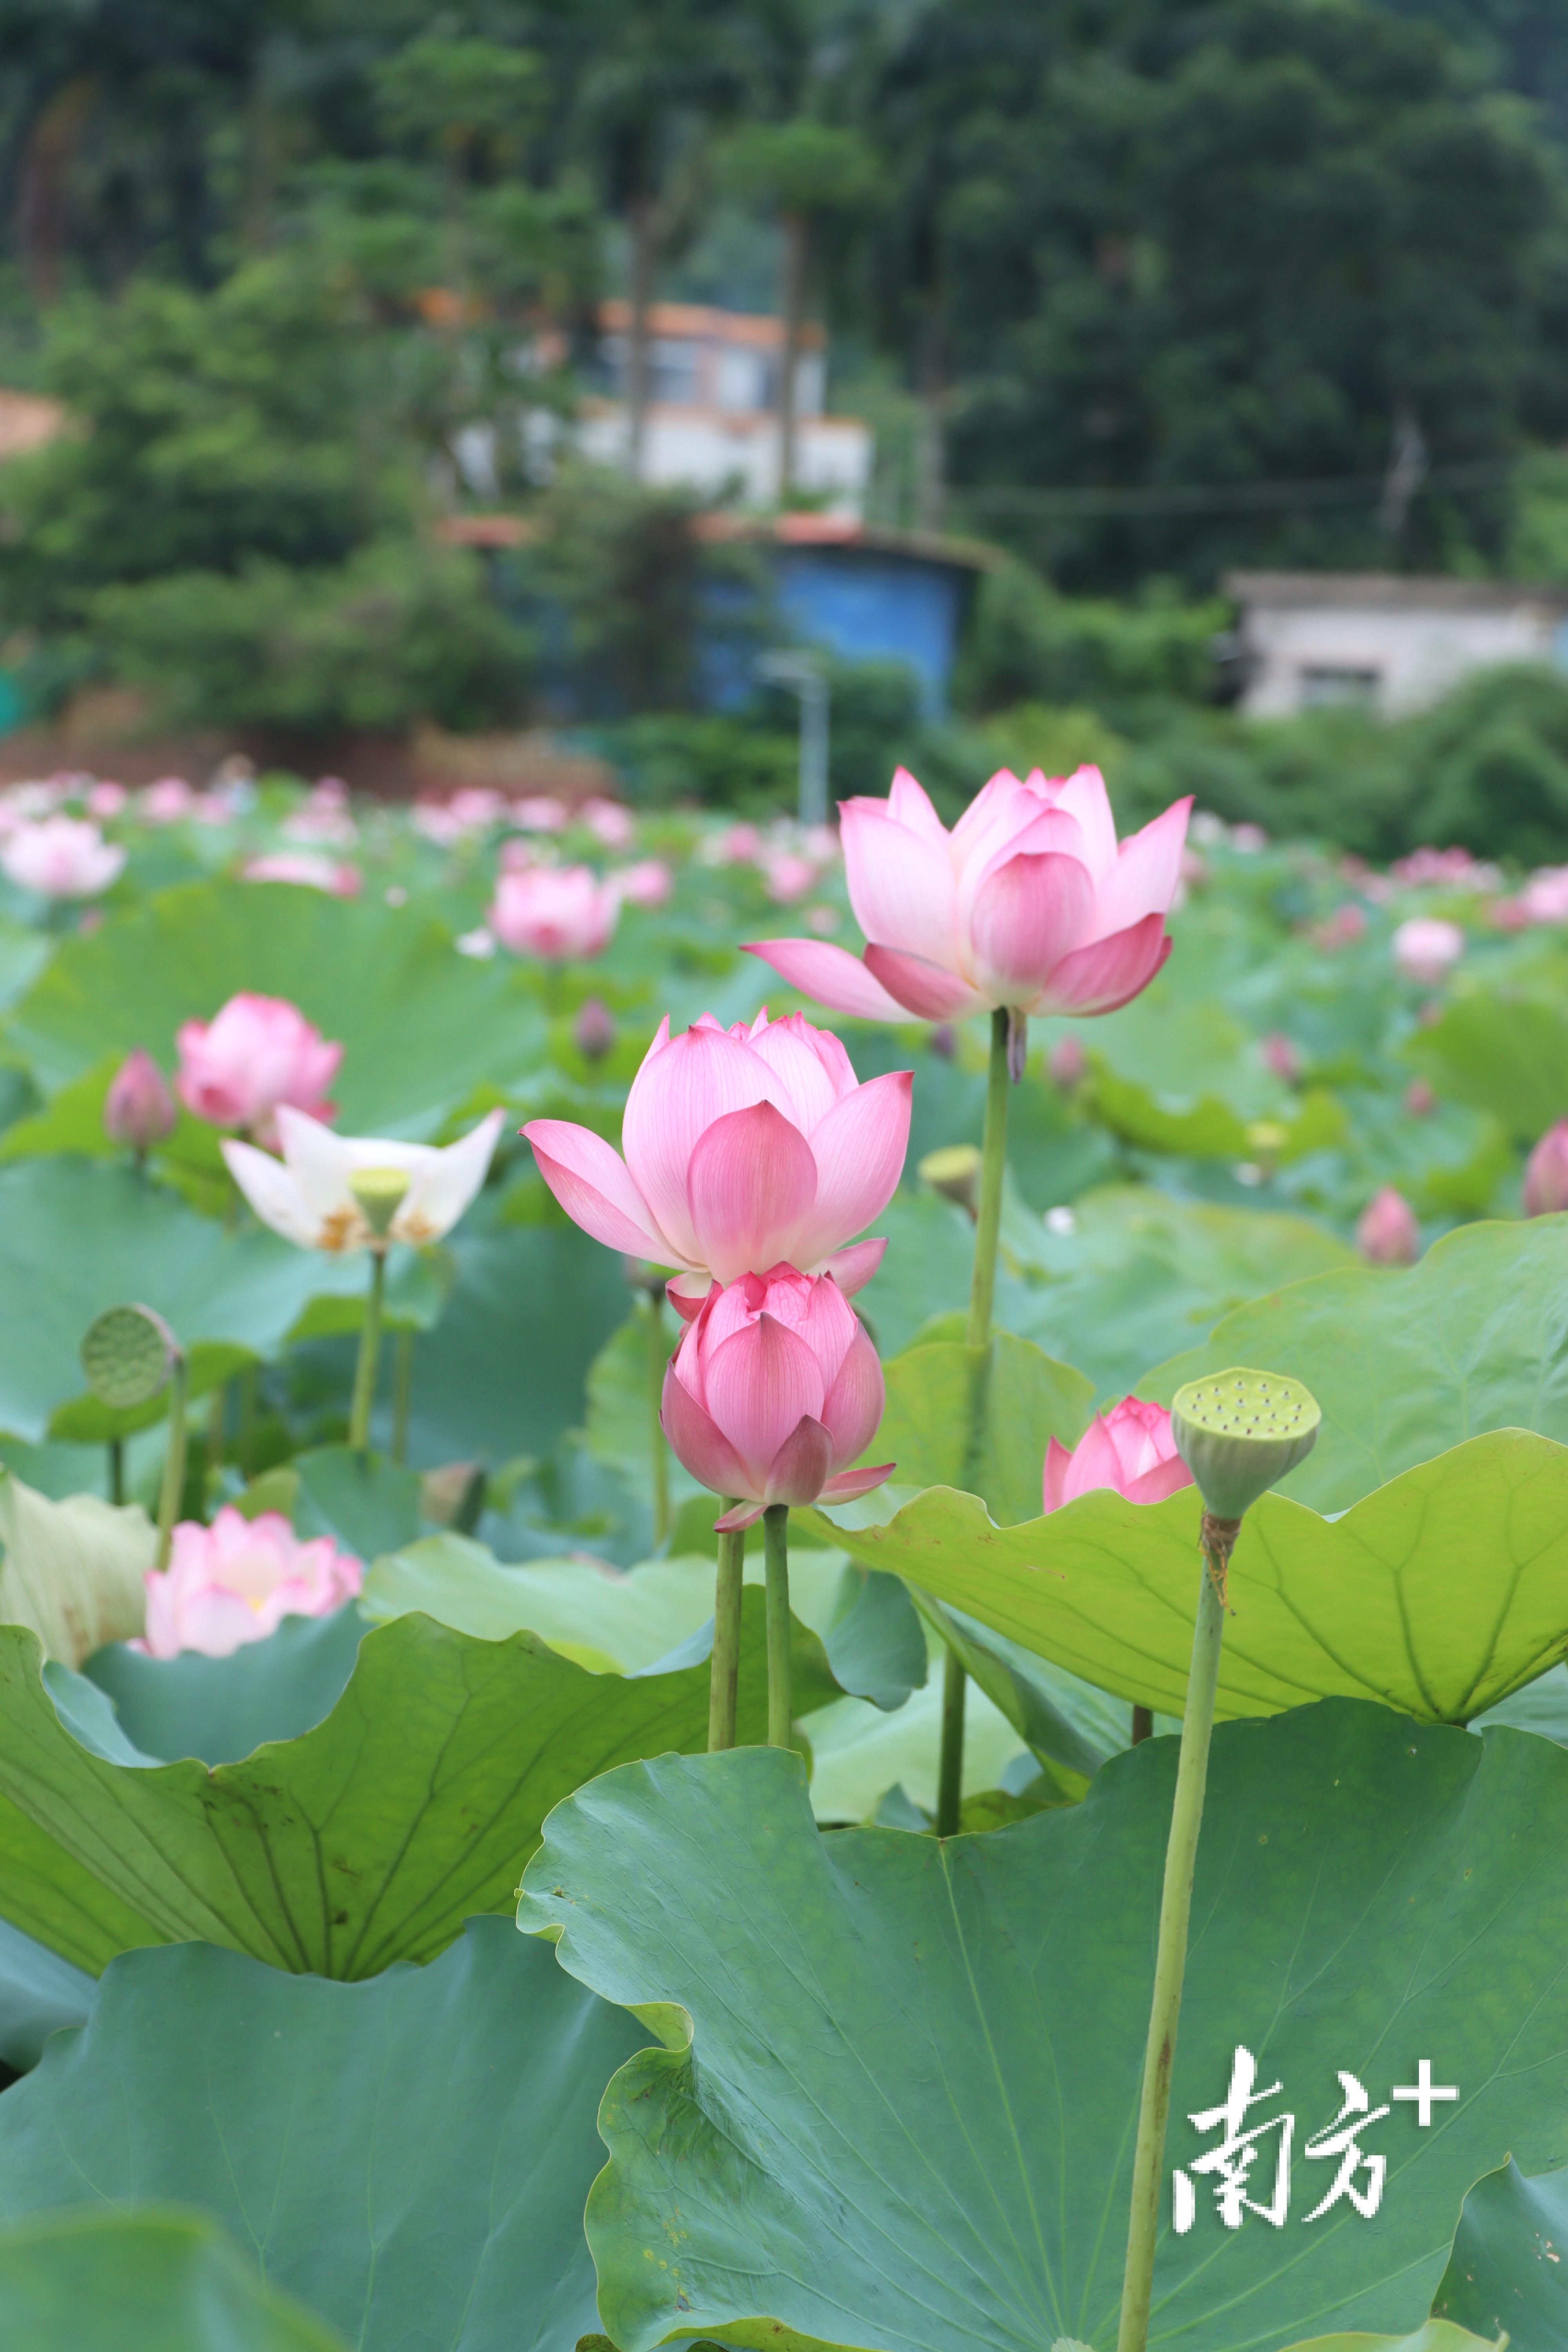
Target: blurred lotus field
[326,2093]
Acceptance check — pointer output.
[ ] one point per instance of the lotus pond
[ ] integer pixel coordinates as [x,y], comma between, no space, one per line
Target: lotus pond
[359,1612]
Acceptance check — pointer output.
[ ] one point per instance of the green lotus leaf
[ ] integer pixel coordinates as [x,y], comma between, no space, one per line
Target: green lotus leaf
[223,1709]
[897,2104]
[1510,2254]
[980,1418]
[409,2156]
[72,1571]
[1437,1594]
[142,2281]
[369,1839]
[420,1025]
[38,1993]
[1506,1055]
[1404,1364]
[1437,2335]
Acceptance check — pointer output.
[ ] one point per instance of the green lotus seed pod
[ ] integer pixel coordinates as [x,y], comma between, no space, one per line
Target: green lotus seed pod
[128,1355]
[380,1193]
[1240,1432]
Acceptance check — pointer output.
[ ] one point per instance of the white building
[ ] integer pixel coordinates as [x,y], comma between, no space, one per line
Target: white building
[1387,642]
[713,422]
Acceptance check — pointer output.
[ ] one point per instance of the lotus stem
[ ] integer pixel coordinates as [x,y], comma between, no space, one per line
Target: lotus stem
[1142,1725]
[117,1469]
[1171,1954]
[657,1362]
[402,1395]
[369,1352]
[217,1412]
[173,1485]
[726,1666]
[775,1541]
[249,1398]
[981,1295]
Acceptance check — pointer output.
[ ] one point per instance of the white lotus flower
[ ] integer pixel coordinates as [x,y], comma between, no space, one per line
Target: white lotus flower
[308,1196]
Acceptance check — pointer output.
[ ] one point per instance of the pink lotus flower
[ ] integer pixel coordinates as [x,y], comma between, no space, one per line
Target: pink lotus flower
[773,1391]
[1426,948]
[1029,903]
[1387,1232]
[786,876]
[649,883]
[237,1580]
[305,869]
[608,822]
[1130,1448]
[540,813]
[62,857]
[744,1149]
[138,1110]
[560,913]
[106,799]
[166,801]
[1281,1056]
[1545,1189]
[258,1051]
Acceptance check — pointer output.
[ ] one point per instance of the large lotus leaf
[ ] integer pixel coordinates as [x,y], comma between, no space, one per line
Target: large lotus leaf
[142,2281]
[223,1709]
[409,2156]
[980,1418]
[897,2101]
[1510,2254]
[38,1993]
[72,1571]
[1406,1363]
[1064,1719]
[420,1025]
[75,1238]
[1137,1274]
[1505,1055]
[854,1630]
[859,1755]
[1437,2335]
[369,1839]
[1439,1593]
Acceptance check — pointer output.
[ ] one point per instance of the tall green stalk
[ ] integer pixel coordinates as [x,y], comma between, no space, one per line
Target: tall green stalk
[1171,1955]
[369,1355]
[658,1360]
[982,1295]
[402,1394]
[173,1485]
[775,1541]
[724,1674]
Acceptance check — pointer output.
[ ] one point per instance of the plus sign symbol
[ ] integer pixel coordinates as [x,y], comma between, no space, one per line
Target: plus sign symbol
[1423,2092]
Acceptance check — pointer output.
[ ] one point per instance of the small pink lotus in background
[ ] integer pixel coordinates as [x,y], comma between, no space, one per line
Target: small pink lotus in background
[733,844]
[1419,1099]
[1067,1061]
[1426,948]
[1342,928]
[1130,1448]
[237,1580]
[106,799]
[138,1110]
[1387,1232]
[258,1052]
[744,1148]
[563,913]
[611,825]
[1279,1057]
[540,813]
[773,1391]
[1029,903]
[62,857]
[787,875]
[166,801]
[649,883]
[1545,1188]
[307,870]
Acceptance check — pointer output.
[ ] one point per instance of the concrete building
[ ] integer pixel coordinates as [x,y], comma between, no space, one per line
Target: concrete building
[1384,641]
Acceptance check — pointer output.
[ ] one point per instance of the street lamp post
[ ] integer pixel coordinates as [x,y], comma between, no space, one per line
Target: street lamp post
[807,682]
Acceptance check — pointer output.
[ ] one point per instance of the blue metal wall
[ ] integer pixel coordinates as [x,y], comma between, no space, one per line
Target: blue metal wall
[867,606]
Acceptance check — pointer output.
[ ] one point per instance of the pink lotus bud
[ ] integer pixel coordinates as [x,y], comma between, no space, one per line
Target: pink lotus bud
[1067,1061]
[258,1052]
[1281,1056]
[303,868]
[1029,903]
[1130,1448]
[62,858]
[773,1391]
[649,883]
[744,1148]
[1419,1099]
[1545,1189]
[786,876]
[1386,1232]
[559,912]
[166,801]
[237,1580]
[943,1041]
[608,822]
[538,813]
[138,1110]
[1426,948]
[106,799]
[594,1031]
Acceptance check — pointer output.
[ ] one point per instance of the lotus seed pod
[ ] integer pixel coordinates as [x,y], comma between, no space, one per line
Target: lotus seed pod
[1240,1432]
[379,1193]
[128,1355]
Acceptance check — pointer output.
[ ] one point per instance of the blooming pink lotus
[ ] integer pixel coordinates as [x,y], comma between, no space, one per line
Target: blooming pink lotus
[1130,1448]
[138,1110]
[649,883]
[1029,903]
[62,857]
[772,1389]
[307,869]
[258,1051]
[559,912]
[608,820]
[237,1580]
[1387,1232]
[744,1149]
[1545,1188]
[1426,948]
